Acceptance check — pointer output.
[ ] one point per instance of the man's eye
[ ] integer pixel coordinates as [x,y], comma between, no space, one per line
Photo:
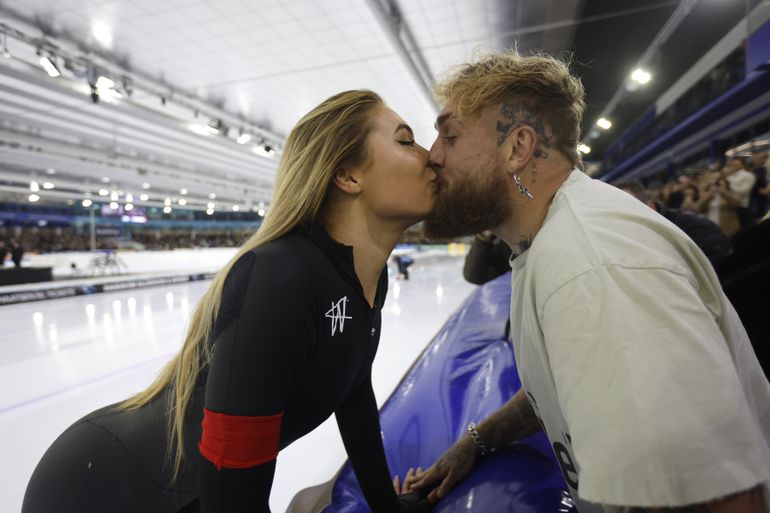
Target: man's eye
[406,143]
[450,138]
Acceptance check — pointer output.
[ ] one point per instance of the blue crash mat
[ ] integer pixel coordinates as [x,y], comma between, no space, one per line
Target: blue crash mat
[466,372]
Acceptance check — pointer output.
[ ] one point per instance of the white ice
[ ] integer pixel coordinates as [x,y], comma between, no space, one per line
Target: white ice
[61,359]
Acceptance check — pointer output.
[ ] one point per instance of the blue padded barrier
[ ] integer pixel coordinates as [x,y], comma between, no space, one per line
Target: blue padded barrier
[465,373]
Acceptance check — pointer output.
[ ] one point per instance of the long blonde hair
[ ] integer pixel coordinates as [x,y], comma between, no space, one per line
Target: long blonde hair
[330,136]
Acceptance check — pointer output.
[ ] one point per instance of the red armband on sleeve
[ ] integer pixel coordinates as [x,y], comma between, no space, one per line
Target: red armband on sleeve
[237,441]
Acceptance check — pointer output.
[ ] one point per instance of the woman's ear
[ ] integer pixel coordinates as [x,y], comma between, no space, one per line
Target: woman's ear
[345,181]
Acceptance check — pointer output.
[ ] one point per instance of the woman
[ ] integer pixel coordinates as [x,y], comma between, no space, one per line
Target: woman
[284,337]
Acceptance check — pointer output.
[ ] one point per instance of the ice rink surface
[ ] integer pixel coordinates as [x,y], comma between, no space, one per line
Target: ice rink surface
[61,359]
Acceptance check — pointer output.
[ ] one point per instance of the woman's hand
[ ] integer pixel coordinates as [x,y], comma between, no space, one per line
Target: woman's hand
[409,479]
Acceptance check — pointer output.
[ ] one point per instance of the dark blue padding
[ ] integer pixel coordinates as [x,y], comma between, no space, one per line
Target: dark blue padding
[465,373]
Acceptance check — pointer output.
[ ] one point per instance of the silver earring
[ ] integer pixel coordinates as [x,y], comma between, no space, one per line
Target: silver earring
[522,188]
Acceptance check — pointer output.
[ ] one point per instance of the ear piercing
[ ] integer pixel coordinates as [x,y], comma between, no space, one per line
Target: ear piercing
[522,188]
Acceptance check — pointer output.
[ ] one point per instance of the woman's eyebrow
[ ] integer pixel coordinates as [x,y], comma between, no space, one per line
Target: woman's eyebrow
[405,127]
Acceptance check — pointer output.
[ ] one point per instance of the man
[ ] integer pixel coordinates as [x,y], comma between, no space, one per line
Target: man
[704,232]
[741,184]
[628,352]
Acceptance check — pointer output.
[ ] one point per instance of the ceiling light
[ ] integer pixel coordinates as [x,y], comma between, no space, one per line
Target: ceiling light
[210,211]
[102,32]
[182,201]
[130,198]
[604,123]
[49,65]
[48,185]
[166,210]
[641,76]
[243,138]
[145,186]
[167,202]
[114,205]
[33,186]
[129,207]
[33,198]
[199,129]
[104,83]
[50,171]
[584,149]
[114,196]
[105,179]
[103,192]
[261,212]
[210,205]
[236,208]
[212,196]
[87,203]
[144,197]
[183,192]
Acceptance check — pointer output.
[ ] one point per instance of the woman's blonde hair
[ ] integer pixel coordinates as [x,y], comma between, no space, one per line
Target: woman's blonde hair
[330,136]
[543,82]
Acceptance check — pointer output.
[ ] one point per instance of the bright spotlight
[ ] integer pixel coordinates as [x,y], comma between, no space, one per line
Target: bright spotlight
[144,197]
[166,210]
[87,203]
[236,208]
[33,186]
[209,211]
[49,65]
[604,123]
[182,201]
[243,138]
[261,212]
[584,149]
[114,205]
[641,76]
[129,207]
[103,192]
[102,33]
[145,186]
[33,198]
[212,196]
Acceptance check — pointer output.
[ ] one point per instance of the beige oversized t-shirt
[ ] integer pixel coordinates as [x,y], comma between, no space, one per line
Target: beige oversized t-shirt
[634,359]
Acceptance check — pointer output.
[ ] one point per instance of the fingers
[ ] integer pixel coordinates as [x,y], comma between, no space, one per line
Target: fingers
[408,481]
[397,484]
[426,478]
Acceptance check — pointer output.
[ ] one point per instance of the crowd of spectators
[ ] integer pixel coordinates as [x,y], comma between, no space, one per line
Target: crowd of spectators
[50,240]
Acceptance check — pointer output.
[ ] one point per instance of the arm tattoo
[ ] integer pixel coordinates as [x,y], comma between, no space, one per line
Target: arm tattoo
[750,501]
[514,421]
[517,114]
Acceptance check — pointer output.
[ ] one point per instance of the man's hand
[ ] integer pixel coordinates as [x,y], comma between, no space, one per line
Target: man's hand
[450,468]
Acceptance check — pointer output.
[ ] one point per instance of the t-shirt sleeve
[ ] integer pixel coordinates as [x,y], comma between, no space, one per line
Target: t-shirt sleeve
[648,389]
[256,356]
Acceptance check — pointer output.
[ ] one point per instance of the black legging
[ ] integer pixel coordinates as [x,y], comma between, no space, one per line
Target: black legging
[89,467]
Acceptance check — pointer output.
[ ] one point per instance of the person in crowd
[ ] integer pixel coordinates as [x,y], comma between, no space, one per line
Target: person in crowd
[630,356]
[17,253]
[741,182]
[758,200]
[707,235]
[284,337]
[745,277]
[3,253]
[488,258]
[718,203]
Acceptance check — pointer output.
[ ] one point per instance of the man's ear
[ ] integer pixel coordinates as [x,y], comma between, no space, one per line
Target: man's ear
[521,147]
[346,181]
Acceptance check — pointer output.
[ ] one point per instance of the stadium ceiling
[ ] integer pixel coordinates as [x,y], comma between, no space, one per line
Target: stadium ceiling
[185,73]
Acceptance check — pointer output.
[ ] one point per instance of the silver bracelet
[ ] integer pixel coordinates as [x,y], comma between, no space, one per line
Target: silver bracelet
[474,433]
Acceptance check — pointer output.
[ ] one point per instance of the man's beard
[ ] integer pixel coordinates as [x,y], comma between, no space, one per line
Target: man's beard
[468,206]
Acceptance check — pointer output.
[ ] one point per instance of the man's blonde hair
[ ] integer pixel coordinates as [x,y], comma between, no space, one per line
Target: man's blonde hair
[542,83]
